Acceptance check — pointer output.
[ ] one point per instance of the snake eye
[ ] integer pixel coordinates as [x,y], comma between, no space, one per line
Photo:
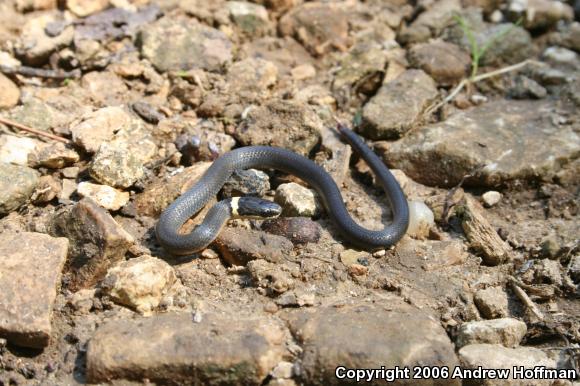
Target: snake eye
[257,207]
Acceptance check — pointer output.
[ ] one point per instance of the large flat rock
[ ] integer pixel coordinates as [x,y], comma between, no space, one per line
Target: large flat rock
[499,141]
[369,336]
[174,44]
[180,349]
[31,264]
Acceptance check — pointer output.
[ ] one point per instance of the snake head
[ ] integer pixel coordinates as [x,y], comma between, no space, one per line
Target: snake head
[254,207]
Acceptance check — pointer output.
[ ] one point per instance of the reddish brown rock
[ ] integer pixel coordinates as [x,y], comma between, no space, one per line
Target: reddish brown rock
[320,27]
[10,93]
[299,230]
[97,241]
[239,246]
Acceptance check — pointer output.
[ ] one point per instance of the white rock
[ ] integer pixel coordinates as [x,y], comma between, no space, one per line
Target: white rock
[495,356]
[283,370]
[491,198]
[104,195]
[296,200]
[561,55]
[116,164]
[421,219]
[99,126]
[70,172]
[8,60]
[84,8]
[496,16]
[209,254]
[492,302]
[15,150]
[243,8]
[478,99]
[141,283]
[505,331]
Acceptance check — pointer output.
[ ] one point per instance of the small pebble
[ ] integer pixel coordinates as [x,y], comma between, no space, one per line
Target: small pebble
[209,254]
[357,270]
[496,16]
[147,112]
[478,99]
[197,317]
[491,198]
[283,370]
[68,188]
[560,55]
[363,261]
[379,253]
[270,307]
[70,172]
[303,71]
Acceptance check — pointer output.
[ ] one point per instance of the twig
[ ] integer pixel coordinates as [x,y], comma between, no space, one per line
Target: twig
[475,79]
[314,256]
[521,294]
[40,72]
[33,131]
[503,70]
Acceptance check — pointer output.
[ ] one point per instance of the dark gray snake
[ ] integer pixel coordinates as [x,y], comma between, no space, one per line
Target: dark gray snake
[188,204]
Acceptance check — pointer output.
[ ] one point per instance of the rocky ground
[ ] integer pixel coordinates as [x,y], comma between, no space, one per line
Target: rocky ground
[134,99]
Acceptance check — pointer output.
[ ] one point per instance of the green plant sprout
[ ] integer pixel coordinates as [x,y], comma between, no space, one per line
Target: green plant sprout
[477,52]
[182,74]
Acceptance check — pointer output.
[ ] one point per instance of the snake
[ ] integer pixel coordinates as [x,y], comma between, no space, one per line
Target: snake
[207,187]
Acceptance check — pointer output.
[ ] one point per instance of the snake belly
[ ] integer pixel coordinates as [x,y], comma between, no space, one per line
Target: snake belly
[264,157]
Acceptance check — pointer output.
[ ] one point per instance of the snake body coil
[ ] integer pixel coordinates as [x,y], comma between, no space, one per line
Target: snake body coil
[263,157]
